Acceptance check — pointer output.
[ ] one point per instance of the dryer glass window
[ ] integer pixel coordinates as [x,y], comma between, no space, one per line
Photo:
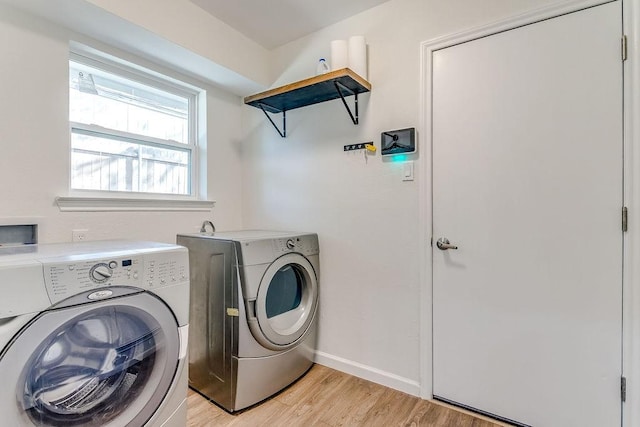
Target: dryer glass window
[90,369]
[285,290]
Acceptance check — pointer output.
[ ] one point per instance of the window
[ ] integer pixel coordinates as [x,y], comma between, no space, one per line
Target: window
[131,132]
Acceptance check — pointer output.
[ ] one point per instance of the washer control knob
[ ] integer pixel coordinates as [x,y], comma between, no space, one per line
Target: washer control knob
[100,273]
[113,265]
[290,244]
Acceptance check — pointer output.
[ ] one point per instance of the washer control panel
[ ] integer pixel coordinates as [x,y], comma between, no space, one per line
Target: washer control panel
[64,279]
[68,277]
[165,269]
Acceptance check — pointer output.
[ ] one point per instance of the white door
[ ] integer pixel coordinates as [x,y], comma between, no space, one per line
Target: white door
[527,183]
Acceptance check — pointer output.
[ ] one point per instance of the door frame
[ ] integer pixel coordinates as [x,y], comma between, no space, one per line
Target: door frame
[631,137]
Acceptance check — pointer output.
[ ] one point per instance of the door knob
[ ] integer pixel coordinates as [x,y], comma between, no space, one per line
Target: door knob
[443,244]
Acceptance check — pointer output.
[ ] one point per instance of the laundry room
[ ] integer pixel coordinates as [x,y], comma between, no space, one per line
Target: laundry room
[383,222]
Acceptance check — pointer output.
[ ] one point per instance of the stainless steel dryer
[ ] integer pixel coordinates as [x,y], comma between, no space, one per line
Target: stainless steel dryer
[254,298]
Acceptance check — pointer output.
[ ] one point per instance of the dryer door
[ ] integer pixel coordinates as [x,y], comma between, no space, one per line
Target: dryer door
[101,363]
[286,302]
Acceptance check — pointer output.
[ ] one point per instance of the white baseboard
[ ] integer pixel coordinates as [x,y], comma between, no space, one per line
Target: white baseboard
[359,370]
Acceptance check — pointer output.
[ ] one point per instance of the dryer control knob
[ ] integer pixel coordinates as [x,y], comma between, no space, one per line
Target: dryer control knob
[290,244]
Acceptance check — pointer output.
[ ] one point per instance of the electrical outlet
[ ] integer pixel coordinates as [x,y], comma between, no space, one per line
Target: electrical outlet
[79,235]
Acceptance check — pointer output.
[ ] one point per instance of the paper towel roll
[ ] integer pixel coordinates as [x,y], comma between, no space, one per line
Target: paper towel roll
[339,55]
[358,55]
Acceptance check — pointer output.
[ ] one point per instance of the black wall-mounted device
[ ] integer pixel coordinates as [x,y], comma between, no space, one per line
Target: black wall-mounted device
[398,141]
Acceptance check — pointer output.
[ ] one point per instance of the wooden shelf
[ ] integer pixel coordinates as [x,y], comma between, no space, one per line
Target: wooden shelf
[309,91]
[325,87]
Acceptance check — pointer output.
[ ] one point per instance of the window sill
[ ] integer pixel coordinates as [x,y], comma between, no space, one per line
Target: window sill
[100,204]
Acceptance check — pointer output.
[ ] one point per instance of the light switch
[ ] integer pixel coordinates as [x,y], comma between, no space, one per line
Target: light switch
[407,171]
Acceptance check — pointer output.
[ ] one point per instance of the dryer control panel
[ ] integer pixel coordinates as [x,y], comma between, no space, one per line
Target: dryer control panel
[264,251]
[306,245]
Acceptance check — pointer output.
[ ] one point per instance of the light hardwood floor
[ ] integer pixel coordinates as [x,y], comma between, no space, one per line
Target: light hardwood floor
[325,397]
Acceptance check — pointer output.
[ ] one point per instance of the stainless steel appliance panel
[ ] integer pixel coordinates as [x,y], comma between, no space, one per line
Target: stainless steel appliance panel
[213,321]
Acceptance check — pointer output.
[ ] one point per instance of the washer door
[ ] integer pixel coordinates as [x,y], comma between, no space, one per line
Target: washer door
[104,363]
[286,302]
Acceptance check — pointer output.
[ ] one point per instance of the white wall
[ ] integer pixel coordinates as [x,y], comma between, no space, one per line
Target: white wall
[34,143]
[365,215]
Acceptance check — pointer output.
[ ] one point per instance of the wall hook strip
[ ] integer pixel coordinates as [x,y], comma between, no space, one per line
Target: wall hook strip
[361,146]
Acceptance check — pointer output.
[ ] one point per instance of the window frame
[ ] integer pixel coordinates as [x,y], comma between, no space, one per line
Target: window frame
[155,79]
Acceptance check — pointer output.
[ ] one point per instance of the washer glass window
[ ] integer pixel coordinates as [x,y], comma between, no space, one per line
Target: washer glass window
[93,367]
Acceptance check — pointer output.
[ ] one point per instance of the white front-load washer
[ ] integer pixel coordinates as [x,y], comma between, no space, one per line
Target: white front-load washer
[94,334]
[254,300]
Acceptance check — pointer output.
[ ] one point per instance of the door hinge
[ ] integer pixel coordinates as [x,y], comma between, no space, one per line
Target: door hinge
[623,389]
[624,48]
[625,216]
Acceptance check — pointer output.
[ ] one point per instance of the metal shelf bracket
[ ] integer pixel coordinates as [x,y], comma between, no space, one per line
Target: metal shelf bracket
[338,85]
[342,91]
[282,133]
